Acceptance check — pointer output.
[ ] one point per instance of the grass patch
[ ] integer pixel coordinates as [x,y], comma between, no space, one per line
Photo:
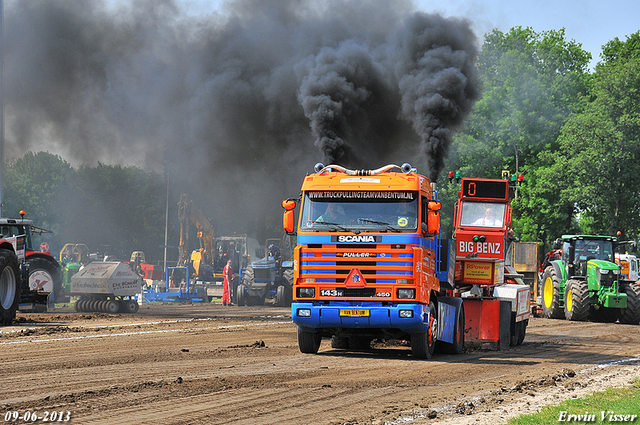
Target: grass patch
[618,405]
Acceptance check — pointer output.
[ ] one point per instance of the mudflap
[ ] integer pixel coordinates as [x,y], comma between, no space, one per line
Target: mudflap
[447,313]
[487,323]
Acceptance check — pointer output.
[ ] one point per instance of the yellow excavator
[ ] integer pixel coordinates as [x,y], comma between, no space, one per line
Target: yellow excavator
[200,261]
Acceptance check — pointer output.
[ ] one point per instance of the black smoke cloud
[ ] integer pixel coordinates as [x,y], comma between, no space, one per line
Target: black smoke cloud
[231,104]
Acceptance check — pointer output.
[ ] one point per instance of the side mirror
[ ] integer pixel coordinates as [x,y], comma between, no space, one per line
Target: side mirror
[288,222]
[433,223]
[557,244]
[288,204]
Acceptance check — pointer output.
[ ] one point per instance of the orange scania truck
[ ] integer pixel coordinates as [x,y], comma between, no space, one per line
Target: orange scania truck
[369,264]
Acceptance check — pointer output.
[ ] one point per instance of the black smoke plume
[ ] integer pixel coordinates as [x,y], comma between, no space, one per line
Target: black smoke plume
[235,100]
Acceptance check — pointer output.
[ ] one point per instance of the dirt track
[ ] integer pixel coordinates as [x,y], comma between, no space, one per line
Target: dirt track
[209,364]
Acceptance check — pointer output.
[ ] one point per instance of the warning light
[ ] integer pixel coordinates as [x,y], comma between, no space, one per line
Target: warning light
[520,178]
[513,177]
[476,238]
[450,176]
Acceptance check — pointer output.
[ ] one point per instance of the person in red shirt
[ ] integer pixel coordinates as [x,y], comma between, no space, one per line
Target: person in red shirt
[226,284]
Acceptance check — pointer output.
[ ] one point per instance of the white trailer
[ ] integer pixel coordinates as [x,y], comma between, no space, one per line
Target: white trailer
[106,286]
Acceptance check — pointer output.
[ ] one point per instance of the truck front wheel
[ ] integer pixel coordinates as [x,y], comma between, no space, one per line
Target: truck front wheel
[423,344]
[576,302]
[551,294]
[308,342]
[9,286]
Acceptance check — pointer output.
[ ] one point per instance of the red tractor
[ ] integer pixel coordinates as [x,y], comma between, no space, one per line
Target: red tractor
[41,281]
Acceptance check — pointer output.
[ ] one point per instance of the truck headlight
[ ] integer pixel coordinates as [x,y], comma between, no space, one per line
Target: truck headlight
[602,271]
[306,292]
[406,293]
[406,314]
[304,312]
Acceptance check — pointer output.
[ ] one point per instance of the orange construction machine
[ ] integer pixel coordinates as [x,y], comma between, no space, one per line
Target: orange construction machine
[369,264]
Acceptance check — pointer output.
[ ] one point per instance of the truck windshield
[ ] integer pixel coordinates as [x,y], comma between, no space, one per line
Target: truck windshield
[482,214]
[395,211]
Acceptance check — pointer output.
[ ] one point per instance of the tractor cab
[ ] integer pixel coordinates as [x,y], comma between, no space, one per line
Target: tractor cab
[584,253]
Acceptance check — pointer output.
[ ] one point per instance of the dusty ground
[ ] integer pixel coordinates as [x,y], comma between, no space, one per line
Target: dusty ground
[209,364]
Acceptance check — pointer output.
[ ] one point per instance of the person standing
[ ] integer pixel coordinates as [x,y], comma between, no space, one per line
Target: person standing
[227,272]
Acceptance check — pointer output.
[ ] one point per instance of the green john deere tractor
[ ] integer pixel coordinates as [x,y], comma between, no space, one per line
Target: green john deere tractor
[585,282]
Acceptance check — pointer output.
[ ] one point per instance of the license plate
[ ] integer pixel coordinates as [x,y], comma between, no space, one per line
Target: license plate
[354,313]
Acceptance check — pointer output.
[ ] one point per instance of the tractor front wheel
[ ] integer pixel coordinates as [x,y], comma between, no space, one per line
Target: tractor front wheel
[576,302]
[9,286]
[550,292]
[631,314]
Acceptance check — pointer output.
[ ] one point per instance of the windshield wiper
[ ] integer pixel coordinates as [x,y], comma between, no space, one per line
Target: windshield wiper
[388,226]
[336,225]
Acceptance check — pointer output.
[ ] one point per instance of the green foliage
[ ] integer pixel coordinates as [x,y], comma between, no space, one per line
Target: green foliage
[616,401]
[105,206]
[575,135]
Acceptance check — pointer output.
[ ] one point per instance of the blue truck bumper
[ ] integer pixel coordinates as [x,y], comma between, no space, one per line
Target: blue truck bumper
[310,316]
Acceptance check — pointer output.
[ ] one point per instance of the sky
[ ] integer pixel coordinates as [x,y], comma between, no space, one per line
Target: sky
[592,23]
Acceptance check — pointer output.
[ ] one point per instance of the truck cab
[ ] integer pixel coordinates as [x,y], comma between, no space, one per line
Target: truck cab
[367,260]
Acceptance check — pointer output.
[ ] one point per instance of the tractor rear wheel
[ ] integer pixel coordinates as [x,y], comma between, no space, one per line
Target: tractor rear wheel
[44,275]
[10,286]
[423,344]
[287,275]
[576,301]
[550,291]
[632,312]
[308,342]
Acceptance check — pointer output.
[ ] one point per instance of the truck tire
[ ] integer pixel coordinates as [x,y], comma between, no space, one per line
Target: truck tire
[523,331]
[423,344]
[10,286]
[576,301]
[550,292]
[308,342]
[518,331]
[44,275]
[631,314]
